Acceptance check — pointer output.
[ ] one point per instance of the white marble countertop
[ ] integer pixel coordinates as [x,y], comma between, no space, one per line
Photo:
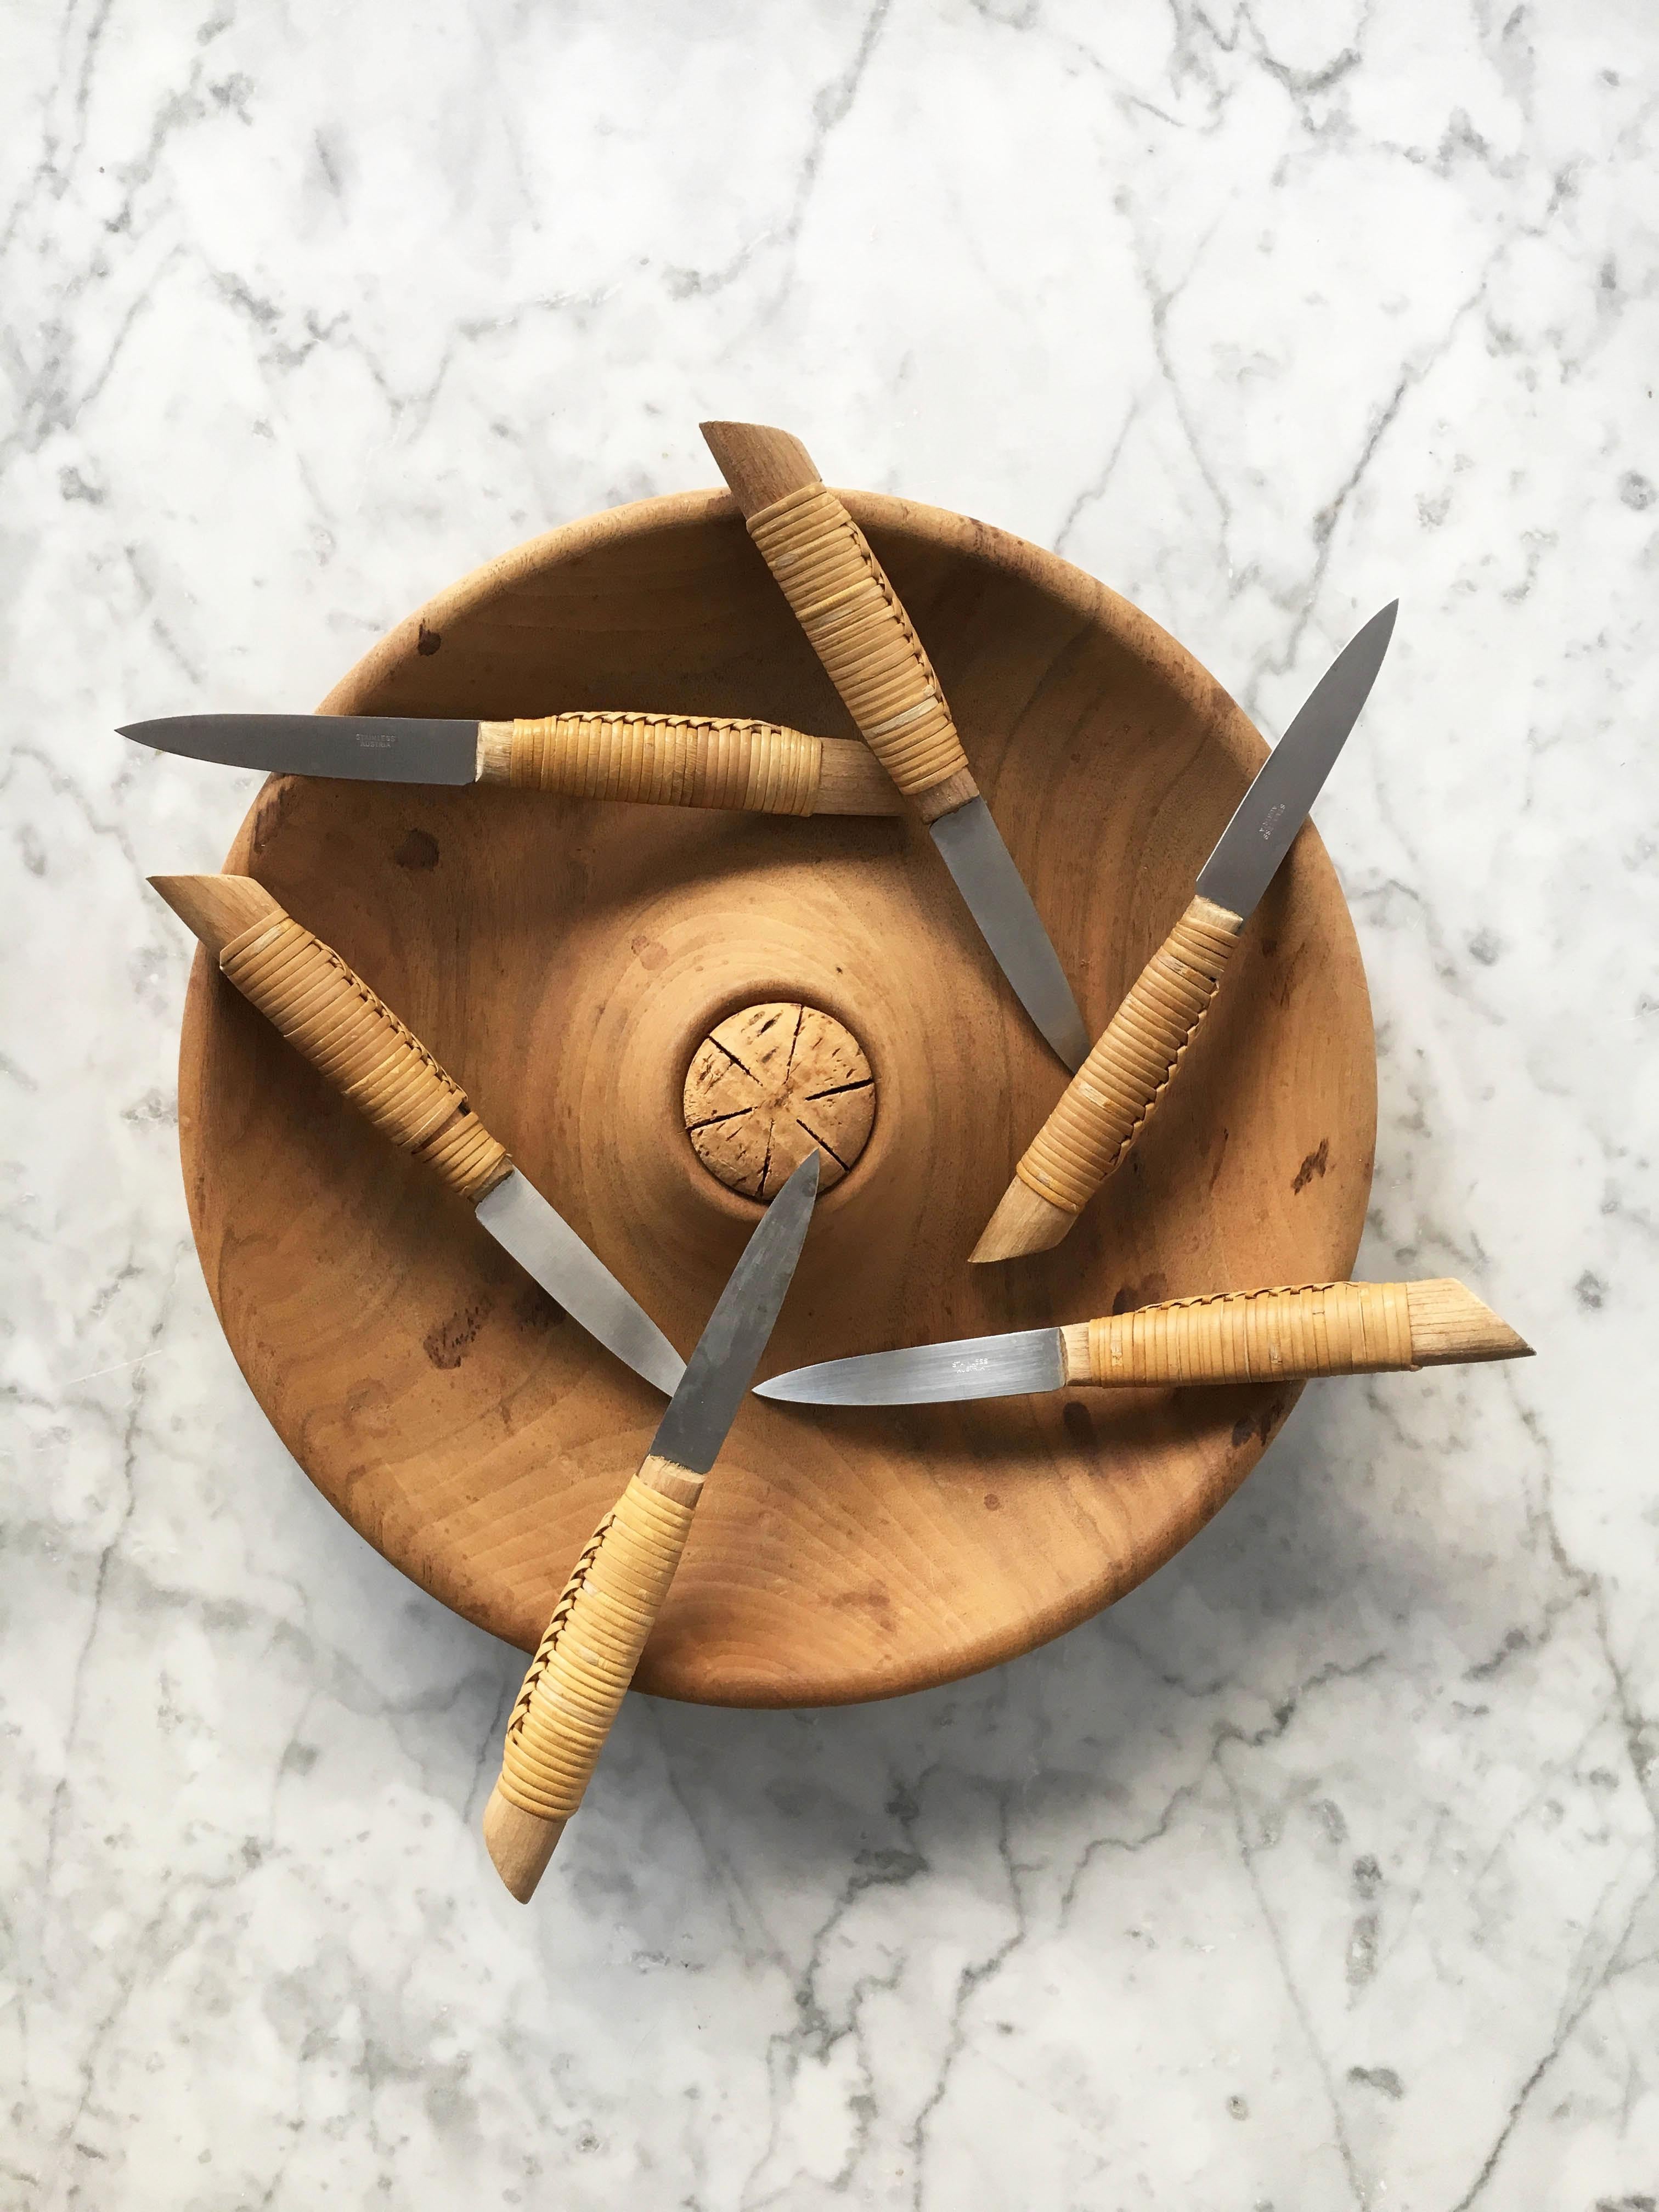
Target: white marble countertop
[1321,1872]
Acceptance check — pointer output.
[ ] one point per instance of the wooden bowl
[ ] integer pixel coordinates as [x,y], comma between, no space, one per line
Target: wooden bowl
[565,960]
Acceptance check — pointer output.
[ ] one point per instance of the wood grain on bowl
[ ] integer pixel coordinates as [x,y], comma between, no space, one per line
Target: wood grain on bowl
[564,959]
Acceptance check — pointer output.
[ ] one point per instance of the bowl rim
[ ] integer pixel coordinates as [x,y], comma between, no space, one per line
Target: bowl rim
[1094,604]
[963,535]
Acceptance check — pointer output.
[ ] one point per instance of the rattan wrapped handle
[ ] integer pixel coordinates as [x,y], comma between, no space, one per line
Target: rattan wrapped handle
[581,1673]
[1115,1092]
[850,612]
[1289,1335]
[684,760]
[326,1010]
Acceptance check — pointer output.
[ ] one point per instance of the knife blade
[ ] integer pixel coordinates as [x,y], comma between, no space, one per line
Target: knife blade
[854,621]
[704,1409]
[1231,1336]
[1265,823]
[581,1673]
[574,1276]
[662,760]
[331,1015]
[929,1374]
[1115,1093]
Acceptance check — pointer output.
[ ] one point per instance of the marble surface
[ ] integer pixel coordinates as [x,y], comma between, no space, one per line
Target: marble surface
[1320,1873]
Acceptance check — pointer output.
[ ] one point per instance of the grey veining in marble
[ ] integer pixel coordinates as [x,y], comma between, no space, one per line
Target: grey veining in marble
[1319,1874]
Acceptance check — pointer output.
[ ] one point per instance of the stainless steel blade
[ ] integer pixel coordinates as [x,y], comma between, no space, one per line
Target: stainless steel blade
[997,898]
[1277,804]
[694,1428]
[930,1374]
[545,1246]
[371,748]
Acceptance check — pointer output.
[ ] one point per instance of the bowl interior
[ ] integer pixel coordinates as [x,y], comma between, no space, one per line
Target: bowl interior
[563,960]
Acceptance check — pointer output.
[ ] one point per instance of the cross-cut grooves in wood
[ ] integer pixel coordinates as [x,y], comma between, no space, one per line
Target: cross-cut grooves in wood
[720,1047]
[750,1084]
[840,1090]
[794,1040]
[822,1142]
[736,1114]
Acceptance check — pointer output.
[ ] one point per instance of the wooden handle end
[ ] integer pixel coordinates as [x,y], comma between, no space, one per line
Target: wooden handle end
[329,1014]
[1024,1222]
[583,1668]
[520,1843]
[761,466]
[852,781]
[217,907]
[943,798]
[1288,1334]
[1450,1325]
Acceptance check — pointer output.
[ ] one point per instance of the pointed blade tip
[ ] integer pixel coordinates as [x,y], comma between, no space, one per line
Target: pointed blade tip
[664,1376]
[360,748]
[654,1361]
[694,1427]
[1011,1364]
[535,1234]
[976,854]
[1073,1047]
[806,1177]
[1280,797]
[802,1386]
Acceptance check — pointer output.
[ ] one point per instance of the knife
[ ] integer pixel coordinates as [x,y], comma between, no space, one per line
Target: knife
[328,1013]
[580,1674]
[1233,1336]
[1115,1092]
[872,654]
[666,760]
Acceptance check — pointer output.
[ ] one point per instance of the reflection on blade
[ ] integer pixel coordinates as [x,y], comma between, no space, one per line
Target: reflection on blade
[694,1428]
[929,1374]
[1265,823]
[997,897]
[545,1246]
[372,748]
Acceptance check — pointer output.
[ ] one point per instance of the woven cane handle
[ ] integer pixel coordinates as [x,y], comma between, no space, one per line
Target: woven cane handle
[662,760]
[856,625]
[328,1012]
[579,1675]
[1248,1336]
[1116,1090]
[850,612]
